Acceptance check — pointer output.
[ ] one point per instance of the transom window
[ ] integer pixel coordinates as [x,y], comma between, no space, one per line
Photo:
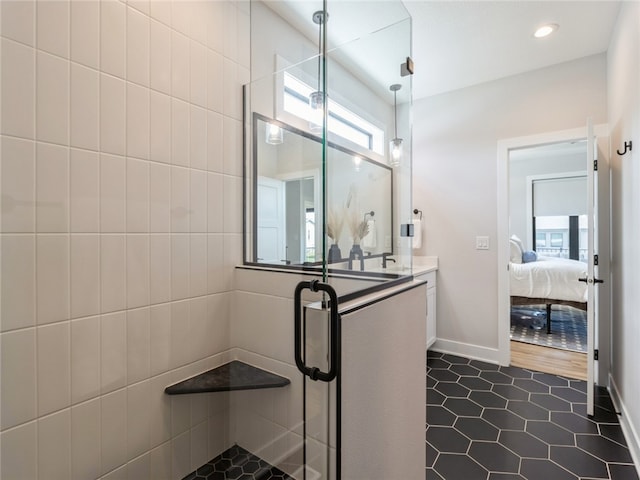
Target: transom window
[341,121]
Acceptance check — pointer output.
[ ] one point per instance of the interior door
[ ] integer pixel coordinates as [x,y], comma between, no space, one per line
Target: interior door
[592,271]
[271,221]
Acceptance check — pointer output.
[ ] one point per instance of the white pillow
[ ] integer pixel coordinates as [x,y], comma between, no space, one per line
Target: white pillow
[518,241]
[515,253]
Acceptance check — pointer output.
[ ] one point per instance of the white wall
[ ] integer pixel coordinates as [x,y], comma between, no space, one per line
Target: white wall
[121,223]
[624,119]
[454,183]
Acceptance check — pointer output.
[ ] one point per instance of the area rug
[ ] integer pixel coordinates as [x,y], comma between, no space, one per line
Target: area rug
[568,327]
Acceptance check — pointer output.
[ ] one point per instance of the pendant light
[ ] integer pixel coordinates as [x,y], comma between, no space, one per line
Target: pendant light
[317,98]
[395,145]
[273,134]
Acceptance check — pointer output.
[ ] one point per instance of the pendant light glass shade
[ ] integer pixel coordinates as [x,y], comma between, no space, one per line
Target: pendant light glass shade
[316,105]
[395,152]
[395,145]
[274,135]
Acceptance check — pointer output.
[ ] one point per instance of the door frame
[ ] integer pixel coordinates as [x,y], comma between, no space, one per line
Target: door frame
[504,147]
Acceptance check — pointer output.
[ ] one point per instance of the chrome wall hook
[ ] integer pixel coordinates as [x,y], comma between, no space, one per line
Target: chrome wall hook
[628,146]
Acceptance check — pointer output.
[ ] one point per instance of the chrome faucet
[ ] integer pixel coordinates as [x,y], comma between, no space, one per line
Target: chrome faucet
[386,257]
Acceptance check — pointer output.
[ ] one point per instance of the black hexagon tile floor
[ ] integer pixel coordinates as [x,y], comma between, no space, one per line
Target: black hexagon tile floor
[486,422]
[237,464]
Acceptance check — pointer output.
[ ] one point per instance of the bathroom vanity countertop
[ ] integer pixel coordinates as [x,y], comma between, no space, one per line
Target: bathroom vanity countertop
[234,375]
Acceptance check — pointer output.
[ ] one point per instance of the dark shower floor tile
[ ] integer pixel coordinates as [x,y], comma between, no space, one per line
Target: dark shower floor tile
[509,423]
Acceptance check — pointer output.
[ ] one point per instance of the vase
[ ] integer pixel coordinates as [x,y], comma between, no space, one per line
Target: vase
[334,254]
[356,253]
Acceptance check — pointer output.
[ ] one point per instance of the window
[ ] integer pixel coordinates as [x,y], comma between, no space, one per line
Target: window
[557,240]
[541,240]
[341,121]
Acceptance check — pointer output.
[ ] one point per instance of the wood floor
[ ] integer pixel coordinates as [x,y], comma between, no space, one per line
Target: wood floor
[549,360]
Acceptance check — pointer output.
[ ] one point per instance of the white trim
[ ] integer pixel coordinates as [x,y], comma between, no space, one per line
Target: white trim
[475,352]
[504,146]
[630,433]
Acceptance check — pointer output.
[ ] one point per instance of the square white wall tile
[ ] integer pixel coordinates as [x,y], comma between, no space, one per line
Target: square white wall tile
[160,55]
[85,33]
[19,281]
[232,204]
[18,451]
[199,445]
[159,198]
[198,73]
[18,367]
[160,338]
[52,99]
[54,446]
[17,170]
[201,335]
[181,455]
[215,200]
[85,440]
[215,26]
[18,89]
[52,276]
[161,462]
[215,142]
[112,193]
[180,64]
[85,359]
[139,467]
[53,27]
[159,410]
[198,267]
[215,81]
[137,270]
[215,264]
[113,331]
[112,37]
[160,127]
[137,196]
[112,114]
[180,347]
[232,147]
[113,430]
[137,47]
[159,268]
[231,99]
[85,107]
[138,345]
[52,188]
[218,313]
[230,31]
[18,20]
[180,414]
[137,121]
[113,272]
[180,211]
[85,275]
[179,266]
[198,138]
[180,138]
[138,419]
[85,191]
[198,201]
[54,367]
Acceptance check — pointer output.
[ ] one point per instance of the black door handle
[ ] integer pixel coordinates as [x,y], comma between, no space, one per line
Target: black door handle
[314,372]
[588,280]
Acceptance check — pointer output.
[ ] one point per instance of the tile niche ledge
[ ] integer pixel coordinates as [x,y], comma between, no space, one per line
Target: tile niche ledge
[235,375]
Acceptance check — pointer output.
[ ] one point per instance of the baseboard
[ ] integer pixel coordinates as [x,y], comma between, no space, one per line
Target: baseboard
[630,433]
[475,352]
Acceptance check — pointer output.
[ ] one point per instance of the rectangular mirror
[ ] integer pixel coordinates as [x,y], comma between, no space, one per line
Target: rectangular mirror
[288,200]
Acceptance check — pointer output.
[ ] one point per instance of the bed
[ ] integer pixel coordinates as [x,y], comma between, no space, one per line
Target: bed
[547,281]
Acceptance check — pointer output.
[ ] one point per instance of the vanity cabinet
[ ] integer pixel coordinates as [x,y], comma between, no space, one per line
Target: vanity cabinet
[430,277]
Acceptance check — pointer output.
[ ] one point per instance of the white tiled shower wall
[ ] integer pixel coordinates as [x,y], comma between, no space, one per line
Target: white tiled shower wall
[121,165]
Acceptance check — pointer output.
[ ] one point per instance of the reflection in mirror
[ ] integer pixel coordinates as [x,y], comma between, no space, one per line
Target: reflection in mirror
[289,202]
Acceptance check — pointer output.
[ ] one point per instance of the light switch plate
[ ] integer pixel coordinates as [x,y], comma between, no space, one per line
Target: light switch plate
[482,243]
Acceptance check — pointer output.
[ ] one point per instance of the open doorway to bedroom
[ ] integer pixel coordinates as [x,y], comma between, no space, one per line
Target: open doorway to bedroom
[548,254]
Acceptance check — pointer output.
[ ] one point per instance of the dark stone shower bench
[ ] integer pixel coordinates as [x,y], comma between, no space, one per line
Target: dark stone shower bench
[235,375]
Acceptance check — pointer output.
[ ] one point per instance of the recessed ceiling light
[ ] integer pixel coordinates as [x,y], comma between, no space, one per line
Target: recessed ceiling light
[545,30]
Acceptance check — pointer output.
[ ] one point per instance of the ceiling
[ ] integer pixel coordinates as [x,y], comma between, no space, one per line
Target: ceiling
[456,43]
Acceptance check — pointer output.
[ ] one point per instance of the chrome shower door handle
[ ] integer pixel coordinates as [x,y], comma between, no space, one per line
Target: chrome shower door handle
[314,373]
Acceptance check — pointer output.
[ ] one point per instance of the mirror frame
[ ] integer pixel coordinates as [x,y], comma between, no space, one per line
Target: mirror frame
[254,186]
